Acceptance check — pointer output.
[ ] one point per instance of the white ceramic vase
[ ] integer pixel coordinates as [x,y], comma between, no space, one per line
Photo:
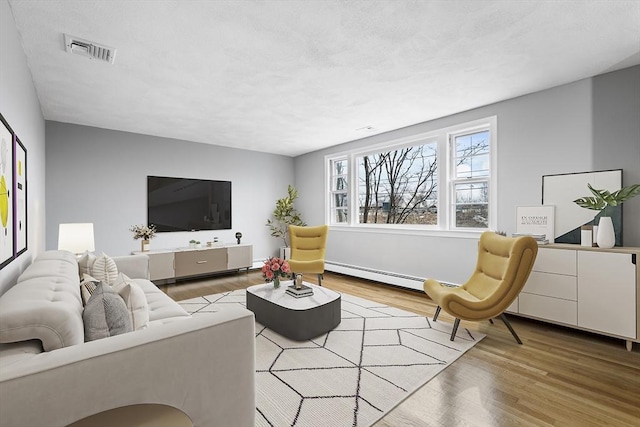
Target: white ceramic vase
[606,238]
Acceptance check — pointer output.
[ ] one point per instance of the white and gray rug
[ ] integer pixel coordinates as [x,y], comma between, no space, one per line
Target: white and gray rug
[351,376]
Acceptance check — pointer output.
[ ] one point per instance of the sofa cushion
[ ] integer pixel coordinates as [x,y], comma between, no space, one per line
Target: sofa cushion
[105,314]
[135,300]
[161,306]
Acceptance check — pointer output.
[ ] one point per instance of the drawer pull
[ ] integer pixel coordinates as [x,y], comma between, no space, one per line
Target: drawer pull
[201,262]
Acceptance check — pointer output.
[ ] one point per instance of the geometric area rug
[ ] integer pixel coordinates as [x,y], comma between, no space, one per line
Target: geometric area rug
[352,375]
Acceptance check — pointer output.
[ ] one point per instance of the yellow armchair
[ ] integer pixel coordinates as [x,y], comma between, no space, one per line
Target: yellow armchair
[502,269]
[308,246]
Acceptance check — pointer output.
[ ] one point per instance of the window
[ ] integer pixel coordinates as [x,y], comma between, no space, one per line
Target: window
[470,173]
[441,180]
[339,191]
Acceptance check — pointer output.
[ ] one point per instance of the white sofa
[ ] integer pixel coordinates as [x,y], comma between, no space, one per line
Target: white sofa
[202,365]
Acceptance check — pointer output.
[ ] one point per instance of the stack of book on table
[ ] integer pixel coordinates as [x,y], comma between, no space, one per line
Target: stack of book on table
[304,291]
[540,238]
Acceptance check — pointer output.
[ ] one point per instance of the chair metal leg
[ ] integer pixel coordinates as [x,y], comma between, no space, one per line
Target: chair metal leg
[506,322]
[320,279]
[435,316]
[455,328]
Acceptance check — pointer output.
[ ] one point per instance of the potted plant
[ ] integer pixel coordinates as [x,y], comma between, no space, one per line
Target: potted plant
[601,201]
[284,214]
[145,233]
[194,243]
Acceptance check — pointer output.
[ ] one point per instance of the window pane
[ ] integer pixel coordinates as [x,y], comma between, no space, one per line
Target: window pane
[340,215]
[472,155]
[340,200]
[399,186]
[339,183]
[339,167]
[472,205]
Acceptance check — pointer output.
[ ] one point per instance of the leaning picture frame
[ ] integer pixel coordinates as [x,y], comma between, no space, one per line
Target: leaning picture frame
[20,194]
[562,189]
[7,238]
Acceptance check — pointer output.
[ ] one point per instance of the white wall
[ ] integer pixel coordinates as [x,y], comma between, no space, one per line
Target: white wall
[547,132]
[100,176]
[21,109]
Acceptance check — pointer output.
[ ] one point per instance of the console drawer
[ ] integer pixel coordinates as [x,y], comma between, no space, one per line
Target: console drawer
[548,308]
[191,263]
[552,285]
[556,261]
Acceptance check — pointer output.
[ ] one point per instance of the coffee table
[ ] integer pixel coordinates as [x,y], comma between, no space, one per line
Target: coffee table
[299,319]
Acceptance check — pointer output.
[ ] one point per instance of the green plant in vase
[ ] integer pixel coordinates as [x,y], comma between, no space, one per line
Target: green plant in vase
[603,201]
[284,214]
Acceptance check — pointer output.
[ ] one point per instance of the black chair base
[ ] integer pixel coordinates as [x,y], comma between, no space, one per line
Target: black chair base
[456,324]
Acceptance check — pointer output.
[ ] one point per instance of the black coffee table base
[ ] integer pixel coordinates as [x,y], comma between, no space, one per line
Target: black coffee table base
[298,325]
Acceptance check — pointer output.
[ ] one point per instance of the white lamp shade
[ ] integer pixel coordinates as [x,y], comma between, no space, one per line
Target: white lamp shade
[76,238]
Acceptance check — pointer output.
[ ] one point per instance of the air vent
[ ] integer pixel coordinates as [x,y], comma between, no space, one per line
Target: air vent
[89,49]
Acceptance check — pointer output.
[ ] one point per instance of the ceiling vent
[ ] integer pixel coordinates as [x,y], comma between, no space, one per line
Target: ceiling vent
[89,49]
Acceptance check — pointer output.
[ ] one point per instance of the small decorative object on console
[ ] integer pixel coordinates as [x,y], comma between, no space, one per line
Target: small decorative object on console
[145,233]
[275,268]
[238,236]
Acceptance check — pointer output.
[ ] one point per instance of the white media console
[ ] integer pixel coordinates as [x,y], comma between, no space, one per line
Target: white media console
[180,263]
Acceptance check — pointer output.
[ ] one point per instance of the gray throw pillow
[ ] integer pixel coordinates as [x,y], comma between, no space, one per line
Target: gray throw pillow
[105,314]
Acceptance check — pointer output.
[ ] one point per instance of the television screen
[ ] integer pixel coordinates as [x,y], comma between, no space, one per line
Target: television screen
[182,204]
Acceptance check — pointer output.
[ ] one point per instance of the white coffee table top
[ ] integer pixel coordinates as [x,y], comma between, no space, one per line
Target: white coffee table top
[280,297]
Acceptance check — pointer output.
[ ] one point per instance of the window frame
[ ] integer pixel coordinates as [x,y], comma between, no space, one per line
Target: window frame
[446,216]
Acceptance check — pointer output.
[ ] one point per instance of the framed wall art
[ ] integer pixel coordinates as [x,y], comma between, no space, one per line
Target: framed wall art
[561,190]
[20,193]
[7,239]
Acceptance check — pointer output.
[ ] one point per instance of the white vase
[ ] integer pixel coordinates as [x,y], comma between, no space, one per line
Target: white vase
[606,238]
[285,252]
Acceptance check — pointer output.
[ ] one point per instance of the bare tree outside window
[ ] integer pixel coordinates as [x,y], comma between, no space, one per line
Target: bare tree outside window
[399,186]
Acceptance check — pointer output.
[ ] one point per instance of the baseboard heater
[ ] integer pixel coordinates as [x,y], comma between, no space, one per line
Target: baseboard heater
[388,277]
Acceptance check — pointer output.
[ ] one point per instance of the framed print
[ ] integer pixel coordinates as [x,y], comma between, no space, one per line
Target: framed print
[561,190]
[7,252]
[20,193]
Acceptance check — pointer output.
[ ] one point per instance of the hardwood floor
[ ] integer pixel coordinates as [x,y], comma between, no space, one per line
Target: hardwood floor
[558,377]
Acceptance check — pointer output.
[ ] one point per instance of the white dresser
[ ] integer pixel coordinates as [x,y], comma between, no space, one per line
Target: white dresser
[586,288]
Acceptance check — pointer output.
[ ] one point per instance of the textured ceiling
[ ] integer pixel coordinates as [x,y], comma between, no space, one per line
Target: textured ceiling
[290,77]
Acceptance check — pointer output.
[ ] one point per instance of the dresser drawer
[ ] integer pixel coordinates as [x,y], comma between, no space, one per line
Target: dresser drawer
[191,263]
[547,308]
[556,261]
[552,285]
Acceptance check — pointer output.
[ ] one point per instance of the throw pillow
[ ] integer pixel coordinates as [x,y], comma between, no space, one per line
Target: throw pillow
[85,262]
[105,314]
[104,269]
[135,300]
[87,287]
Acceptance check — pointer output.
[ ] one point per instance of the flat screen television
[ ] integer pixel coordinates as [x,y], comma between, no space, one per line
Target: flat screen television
[183,204]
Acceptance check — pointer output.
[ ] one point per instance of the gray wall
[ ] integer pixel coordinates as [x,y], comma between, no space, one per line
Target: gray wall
[100,176]
[547,132]
[20,107]
[616,137]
